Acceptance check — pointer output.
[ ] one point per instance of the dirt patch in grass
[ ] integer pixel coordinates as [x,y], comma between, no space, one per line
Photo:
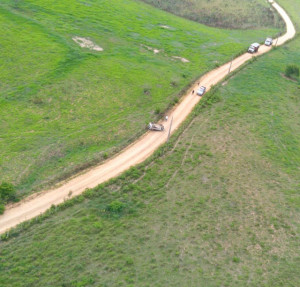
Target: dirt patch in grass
[183,60]
[86,43]
[165,27]
[155,51]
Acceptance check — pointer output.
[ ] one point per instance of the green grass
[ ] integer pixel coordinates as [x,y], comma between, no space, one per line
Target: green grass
[218,13]
[64,108]
[218,206]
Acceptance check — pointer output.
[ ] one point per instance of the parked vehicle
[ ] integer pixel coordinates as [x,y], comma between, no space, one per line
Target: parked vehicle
[155,127]
[201,91]
[269,42]
[253,48]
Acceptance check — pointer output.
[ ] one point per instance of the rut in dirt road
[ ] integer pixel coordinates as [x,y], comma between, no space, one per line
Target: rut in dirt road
[133,154]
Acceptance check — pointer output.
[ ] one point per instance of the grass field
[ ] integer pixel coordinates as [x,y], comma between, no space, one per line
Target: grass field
[219,206]
[243,14]
[64,108]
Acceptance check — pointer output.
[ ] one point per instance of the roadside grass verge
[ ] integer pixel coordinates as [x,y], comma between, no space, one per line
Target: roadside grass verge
[65,108]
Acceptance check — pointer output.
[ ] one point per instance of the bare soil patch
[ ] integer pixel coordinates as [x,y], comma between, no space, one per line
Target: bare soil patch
[155,51]
[86,43]
[165,27]
[183,60]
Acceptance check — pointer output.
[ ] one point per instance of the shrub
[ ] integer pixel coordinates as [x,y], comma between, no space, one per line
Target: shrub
[115,206]
[147,91]
[216,64]
[175,101]
[174,84]
[7,192]
[157,111]
[292,70]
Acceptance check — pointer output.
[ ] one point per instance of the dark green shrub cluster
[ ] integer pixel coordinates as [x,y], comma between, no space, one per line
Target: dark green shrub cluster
[292,71]
[7,194]
[115,206]
[157,111]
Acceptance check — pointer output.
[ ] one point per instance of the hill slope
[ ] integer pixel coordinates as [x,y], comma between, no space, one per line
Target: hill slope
[242,14]
[64,107]
[219,205]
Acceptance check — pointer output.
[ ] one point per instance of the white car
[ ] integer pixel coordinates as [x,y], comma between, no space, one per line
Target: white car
[253,48]
[155,127]
[269,42]
[201,91]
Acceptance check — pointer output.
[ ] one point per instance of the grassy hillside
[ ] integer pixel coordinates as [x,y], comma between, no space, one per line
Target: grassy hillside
[243,14]
[64,107]
[218,207]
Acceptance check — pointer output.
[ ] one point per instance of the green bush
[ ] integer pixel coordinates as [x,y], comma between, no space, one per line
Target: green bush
[175,101]
[157,111]
[115,206]
[292,71]
[7,192]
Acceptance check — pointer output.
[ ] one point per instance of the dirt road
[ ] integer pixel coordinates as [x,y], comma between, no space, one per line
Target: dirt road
[133,154]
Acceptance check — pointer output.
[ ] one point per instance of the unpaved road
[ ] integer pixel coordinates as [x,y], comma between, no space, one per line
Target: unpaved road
[133,154]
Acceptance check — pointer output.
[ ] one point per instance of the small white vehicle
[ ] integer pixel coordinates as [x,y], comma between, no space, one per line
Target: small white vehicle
[253,48]
[201,91]
[155,127]
[269,41]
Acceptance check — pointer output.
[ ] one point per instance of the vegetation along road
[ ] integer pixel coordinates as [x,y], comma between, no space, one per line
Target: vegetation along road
[135,153]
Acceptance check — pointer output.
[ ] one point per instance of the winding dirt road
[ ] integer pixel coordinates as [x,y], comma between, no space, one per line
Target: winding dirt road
[133,154]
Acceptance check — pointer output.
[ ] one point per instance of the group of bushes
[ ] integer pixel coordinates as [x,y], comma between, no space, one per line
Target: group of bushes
[7,194]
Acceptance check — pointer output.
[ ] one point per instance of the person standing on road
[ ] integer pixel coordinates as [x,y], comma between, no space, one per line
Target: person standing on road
[166,118]
[193,92]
